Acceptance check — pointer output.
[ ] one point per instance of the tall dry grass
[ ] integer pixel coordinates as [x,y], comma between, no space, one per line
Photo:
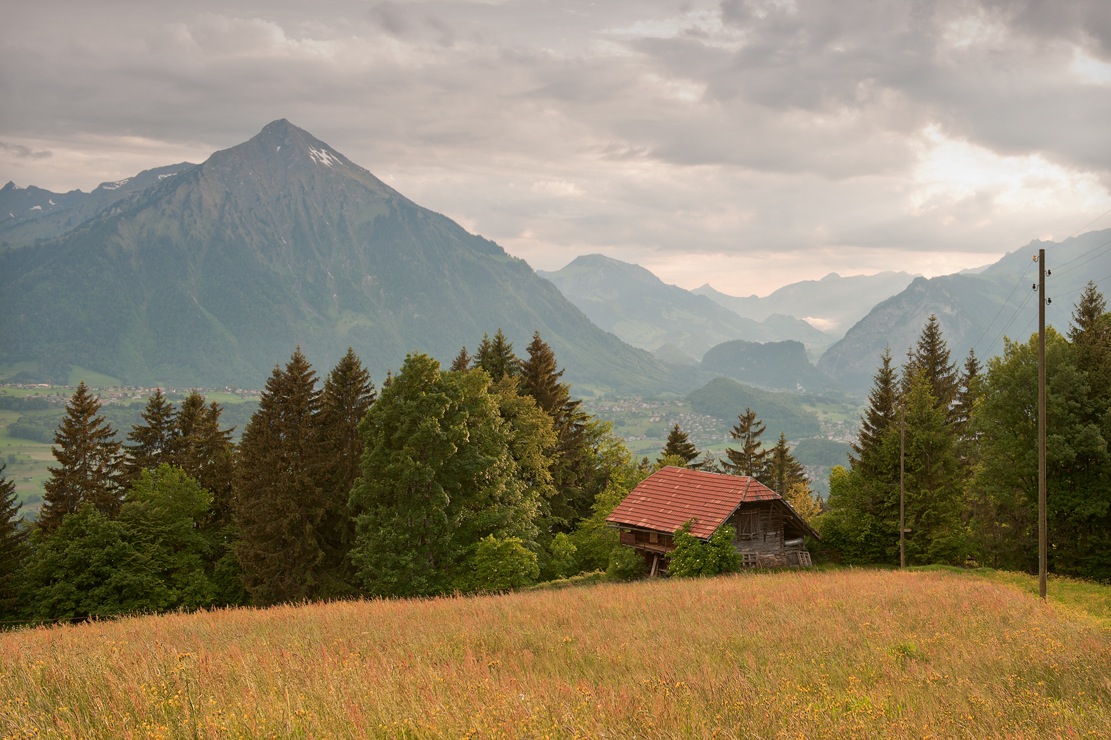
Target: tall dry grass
[841,654]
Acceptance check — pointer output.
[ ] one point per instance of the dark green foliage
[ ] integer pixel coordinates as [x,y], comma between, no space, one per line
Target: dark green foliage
[751,459]
[89,463]
[880,416]
[783,471]
[438,475]
[781,412]
[1077,456]
[347,395]
[1090,335]
[151,440]
[778,365]
[861,525]
[13,547]
[595,542]
[694,557]
[161,515]
[934,480]
[561,560]
[502,565]
[930,357]
[576,477]
[89,568]
[496,357]
[279,503]
[624,564]
[679,445]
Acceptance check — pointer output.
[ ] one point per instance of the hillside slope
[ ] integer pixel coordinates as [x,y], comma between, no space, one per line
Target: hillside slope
[840,654]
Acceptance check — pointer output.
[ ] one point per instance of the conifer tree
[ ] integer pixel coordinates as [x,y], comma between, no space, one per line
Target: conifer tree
[1090,335]
[89,463]
[206,453]
[879,417]
[280,507]
[152,438]
[462,361]
[930,356]
[783,471]
[751,459]
[574,473]
[347,395]
[934,480]
[496,357]
[970,389]
[13,547]
[679,445]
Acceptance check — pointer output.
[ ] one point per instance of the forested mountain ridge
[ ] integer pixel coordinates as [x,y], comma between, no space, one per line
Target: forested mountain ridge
[637,306]
[210,276]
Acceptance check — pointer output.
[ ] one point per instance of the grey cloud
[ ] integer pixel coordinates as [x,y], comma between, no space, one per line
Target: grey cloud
[23,152]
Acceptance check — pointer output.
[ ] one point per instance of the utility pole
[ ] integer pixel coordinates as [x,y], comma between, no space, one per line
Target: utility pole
[1042,528]
[902,487]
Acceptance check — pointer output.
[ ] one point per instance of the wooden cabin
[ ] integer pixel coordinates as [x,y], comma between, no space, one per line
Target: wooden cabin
[769,533]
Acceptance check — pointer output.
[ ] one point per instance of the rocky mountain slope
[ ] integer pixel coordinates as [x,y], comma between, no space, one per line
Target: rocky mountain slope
[213,275]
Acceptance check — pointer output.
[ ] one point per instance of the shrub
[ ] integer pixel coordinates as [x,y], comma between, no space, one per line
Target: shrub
[693,557]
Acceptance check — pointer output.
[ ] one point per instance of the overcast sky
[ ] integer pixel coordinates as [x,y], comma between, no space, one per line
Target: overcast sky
[747,144]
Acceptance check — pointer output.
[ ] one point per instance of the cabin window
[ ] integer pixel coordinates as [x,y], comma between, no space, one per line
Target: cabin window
[654,537]
[746,525]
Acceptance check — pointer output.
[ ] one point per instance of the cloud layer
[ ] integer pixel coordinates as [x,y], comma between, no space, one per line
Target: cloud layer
[742,143]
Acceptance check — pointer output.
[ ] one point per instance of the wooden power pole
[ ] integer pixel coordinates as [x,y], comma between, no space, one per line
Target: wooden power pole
[1043,536]
[902,487]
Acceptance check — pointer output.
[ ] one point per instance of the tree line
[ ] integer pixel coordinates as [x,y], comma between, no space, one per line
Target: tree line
[483,476]
[967,441]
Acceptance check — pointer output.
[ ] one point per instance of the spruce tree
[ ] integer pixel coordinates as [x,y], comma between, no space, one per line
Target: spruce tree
[934,480]
[280,507]
[751,459]
[930,356]
[496,357]
[347,395]
[881,414]
[462,361]
[89,467]
[783,471]
[574,473]
[679,445]
[1090,335]
[151,439]
[202,449]
[13,547]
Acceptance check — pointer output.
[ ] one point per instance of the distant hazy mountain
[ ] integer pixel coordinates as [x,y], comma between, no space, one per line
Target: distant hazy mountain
[31,213]
[637,306]
[215,274]
[776,365]
[832,304]
[973,310]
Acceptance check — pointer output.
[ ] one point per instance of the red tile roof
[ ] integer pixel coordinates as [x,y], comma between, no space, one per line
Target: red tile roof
[669,498]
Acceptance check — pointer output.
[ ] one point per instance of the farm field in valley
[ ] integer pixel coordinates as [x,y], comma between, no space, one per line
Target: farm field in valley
[844,653]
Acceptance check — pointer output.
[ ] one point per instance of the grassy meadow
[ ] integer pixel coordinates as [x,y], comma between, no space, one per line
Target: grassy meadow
[847,653]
